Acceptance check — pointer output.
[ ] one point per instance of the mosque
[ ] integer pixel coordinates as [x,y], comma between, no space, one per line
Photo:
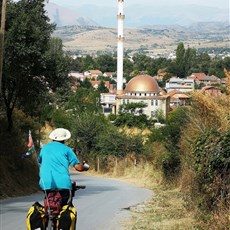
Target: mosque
[142,88]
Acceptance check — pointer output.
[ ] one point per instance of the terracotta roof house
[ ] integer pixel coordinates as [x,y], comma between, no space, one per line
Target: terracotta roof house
[205,79]
[178,98]
[111,87]
[92,73]
[211,90]
[197,76]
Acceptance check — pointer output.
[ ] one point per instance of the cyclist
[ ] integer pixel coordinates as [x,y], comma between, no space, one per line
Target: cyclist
[55,159]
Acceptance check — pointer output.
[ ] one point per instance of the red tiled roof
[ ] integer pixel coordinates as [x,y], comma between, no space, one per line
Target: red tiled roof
[198,76]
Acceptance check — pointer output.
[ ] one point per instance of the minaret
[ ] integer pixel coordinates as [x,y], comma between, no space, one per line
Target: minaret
[120,46]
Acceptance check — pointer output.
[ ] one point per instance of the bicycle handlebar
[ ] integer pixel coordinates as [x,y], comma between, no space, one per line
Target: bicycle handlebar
[76,187]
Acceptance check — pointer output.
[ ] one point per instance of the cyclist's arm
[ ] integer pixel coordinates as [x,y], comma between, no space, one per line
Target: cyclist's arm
[80,167]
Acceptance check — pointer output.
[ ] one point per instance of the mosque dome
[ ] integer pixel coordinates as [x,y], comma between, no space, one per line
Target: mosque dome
[142,83]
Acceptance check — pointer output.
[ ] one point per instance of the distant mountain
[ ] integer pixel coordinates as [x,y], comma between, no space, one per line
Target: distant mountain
[64,17]
[181,15]
[202,27]
[137,15]
[150,39]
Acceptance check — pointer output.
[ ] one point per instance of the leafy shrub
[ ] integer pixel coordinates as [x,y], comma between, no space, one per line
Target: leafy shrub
[170,165]
[212,164]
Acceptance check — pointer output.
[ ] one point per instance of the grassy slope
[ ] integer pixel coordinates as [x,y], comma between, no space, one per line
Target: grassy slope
[18,176]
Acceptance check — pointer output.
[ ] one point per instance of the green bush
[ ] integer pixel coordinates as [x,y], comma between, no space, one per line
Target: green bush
[170,165]
[212,167]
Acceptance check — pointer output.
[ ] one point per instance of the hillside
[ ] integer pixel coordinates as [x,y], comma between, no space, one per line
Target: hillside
[62,16]
[150,39]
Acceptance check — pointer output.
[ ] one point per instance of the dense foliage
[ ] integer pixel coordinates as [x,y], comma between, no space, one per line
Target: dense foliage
[33,62]
[212,165]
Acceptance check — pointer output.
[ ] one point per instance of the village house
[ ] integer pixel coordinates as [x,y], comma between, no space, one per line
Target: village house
[108,74]
[108,85]
[211,90]
[178,98]
[183,85]
[108,101]
[202,78]
[92,74]
[76,76]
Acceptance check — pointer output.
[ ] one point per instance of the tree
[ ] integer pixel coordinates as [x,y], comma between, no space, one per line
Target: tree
[84,100]
[87,127]
[189,60]
[88,63]
[102,87]
[2,31]
[141,61]
[56,65]
[128,66]
[106,63]
[134,107]
[25,45]
[203,61]
[180,62]
[85,84]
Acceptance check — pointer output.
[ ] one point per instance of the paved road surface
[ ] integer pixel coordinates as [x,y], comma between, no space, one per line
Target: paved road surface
[101,206]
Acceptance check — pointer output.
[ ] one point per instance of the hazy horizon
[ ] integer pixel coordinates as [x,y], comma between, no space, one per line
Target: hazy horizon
[224,4]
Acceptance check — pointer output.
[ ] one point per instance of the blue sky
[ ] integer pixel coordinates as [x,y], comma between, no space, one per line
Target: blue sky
[211,3]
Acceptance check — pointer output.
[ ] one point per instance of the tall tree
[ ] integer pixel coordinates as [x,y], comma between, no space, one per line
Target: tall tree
[203,62]
[189,60]
[180,53]
[27,37]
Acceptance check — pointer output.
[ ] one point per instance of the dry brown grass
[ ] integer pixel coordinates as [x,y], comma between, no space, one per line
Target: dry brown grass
[166,210]
[208,113]
[105,39]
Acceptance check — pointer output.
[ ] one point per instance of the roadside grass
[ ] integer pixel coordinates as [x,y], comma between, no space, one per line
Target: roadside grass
[167,208]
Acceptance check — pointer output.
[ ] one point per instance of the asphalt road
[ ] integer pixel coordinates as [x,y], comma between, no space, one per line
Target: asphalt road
[101,206]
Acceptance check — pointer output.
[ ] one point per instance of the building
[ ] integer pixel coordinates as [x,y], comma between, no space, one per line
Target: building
[108,74]
[178,98]
[183,85]
[211,90]
[144,88]
[76,76]
[197,77]
[201,78]
[108,102]
[108,85]
[92,73]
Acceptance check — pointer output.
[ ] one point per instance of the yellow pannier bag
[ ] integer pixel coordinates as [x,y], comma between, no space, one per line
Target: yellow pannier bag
[36,217]
[67,218]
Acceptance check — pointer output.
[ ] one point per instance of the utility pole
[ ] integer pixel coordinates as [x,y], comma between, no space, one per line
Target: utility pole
[2,31]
